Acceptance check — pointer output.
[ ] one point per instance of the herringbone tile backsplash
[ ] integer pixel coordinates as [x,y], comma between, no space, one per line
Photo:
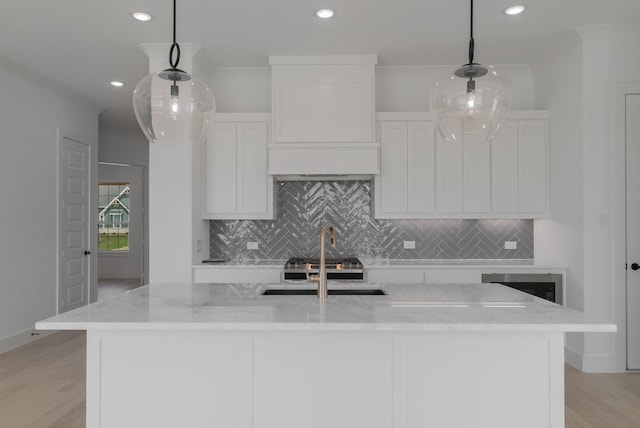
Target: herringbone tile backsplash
[303,207]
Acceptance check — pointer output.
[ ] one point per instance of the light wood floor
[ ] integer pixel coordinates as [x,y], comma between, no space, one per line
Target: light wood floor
[42,385]
[111,287]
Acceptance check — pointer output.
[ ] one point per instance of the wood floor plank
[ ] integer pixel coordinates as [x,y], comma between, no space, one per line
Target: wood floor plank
[595,400]
[42,385]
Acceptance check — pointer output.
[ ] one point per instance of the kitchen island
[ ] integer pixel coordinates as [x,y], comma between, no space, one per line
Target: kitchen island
[224,355]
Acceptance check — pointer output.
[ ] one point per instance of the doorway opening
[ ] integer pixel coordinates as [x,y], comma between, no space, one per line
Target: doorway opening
[121,228]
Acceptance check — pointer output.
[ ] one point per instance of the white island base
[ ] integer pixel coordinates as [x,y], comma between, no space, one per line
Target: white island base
[423,356]
[324,379]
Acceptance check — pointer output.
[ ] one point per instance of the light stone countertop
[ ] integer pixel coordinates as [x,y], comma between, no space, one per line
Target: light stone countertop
[406,308]
[396,263]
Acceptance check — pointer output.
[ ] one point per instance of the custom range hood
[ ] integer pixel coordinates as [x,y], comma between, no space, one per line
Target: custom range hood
[323,116]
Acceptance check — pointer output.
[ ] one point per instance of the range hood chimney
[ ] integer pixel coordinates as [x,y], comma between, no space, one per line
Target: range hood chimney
[323,116]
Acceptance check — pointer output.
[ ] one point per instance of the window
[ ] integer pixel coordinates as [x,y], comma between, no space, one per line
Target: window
[113,217]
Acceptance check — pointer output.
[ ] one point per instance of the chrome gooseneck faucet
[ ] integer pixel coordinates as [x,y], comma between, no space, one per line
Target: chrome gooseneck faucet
[321,278]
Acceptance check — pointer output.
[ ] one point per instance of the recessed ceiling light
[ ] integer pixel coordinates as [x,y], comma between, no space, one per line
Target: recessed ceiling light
[116,83]
[141,16]
[514,10]
[324,13]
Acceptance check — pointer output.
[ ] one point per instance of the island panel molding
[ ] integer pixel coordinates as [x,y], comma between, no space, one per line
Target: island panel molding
[277,379]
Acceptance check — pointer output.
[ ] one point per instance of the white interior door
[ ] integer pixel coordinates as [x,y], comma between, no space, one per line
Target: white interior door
[632,121]
[73,239]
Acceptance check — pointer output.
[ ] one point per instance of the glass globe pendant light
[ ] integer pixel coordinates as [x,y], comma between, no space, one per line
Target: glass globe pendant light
[173,107]
[472,104]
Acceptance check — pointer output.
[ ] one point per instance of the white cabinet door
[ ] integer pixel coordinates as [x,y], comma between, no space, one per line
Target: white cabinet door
[405,187]
[391,184]
[504,169]
[421,167]
[449,182]
[532,163]
[476,177]
[252,179]
[220,171]
[519,169]
[237,184]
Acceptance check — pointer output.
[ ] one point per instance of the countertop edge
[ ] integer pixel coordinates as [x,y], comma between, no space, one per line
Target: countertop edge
[370,327]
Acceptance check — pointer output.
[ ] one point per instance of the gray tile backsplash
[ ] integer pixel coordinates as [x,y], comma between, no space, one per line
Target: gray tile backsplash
[303,207]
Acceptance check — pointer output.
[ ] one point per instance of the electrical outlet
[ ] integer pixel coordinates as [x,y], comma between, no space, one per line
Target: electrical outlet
[198,245]
[252,245]
[510,245]
[409,245]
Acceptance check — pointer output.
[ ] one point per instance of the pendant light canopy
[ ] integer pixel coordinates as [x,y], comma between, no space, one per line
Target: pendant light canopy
[472,104]
[173,107]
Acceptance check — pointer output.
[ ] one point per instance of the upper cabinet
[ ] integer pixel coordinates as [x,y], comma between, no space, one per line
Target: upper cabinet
[237,185]
[423,176]
[323,115]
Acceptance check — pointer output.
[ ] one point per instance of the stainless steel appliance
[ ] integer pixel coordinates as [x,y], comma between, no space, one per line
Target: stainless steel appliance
[544,285]
[340,268]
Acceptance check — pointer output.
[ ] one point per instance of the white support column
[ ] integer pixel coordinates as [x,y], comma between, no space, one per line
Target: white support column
[175,226]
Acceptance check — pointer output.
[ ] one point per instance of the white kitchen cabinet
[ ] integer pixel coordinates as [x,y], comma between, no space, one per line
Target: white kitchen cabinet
[394,276]
[406,183]
[532,167]
[469,273]
[422,275]
[237,275]
[237,185]
[519,170]
[323,115]
[449,184]
[476,177]
[393,167]
[423,176]
[504,162]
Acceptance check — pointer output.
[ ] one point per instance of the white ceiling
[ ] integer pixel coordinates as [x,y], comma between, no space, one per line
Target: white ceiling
[84,44]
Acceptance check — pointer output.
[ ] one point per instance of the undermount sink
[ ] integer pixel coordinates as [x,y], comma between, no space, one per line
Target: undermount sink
[334,292]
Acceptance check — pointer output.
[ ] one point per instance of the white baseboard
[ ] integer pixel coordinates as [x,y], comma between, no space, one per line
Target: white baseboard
[118,275]
[601,364]
[22,338]
[573,358]
[593,363]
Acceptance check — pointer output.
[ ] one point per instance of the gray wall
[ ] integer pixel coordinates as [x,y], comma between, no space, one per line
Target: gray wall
[303,207]
[34,111]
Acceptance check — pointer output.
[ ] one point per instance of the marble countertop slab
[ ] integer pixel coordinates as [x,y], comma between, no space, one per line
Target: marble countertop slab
[446,262]
[395,263]
[241,307]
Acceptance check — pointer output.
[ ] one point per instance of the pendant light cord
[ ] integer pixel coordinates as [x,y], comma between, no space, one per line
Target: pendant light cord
[175,47]
[471,41]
